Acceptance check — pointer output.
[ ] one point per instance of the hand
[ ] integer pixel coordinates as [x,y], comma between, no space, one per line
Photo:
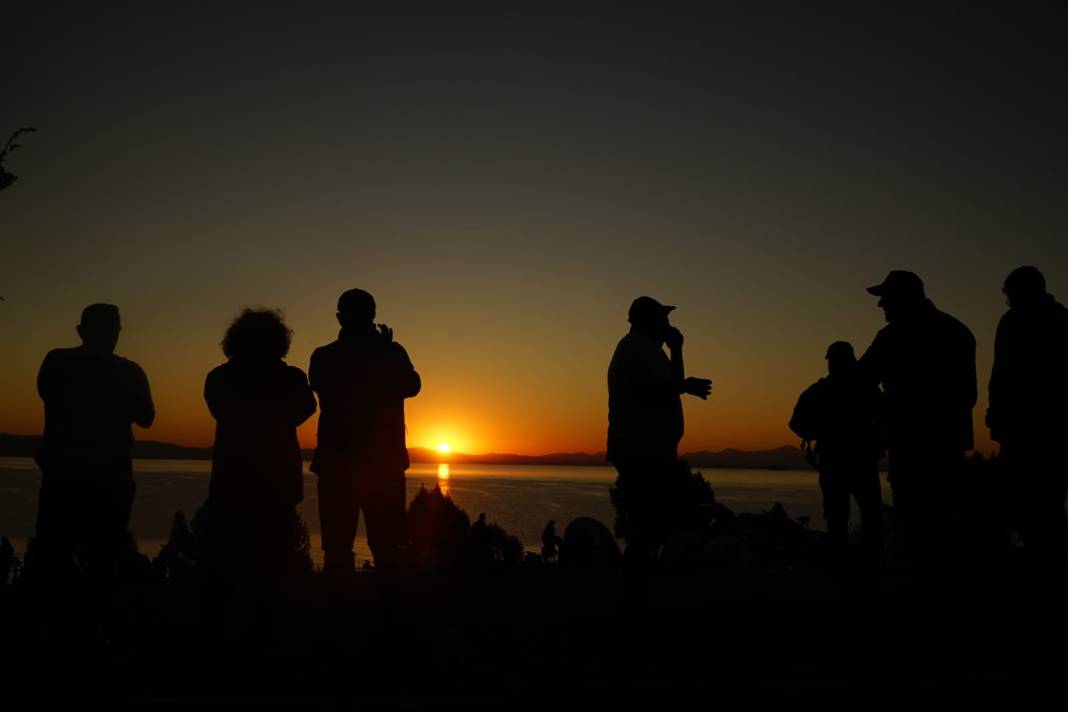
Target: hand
[700,387]
[386,332]
[673,339]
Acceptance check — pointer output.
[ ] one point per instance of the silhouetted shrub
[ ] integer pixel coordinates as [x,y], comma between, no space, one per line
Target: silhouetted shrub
[496,549]
[667,502]
[437,530]
[237,539]
[444,540]
[589,546]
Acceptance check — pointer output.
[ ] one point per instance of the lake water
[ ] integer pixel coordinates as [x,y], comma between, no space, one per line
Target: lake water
[521,498]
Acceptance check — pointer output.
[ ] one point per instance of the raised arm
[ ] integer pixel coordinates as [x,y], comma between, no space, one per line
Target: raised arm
[406,379]
[700,387]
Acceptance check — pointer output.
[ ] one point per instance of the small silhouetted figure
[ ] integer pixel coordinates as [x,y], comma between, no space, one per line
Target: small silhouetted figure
[257,400]
[645,425]
[842,415]
[7,560]
[1028,414]
[91,399]
[362,380]
[550,543]
[925,360]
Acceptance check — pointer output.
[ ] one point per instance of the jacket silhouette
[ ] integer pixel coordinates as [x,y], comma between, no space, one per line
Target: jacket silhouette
[1029,381]
[257,405]
[926,365]
[362,380]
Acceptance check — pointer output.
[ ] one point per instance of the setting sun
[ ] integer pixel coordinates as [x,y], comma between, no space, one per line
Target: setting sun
[444,448]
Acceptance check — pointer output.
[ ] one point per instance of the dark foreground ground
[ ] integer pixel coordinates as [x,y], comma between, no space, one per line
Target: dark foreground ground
[545,638]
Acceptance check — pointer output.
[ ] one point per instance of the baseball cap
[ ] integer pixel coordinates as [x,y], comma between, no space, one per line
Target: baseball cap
[899,283]
[646,307]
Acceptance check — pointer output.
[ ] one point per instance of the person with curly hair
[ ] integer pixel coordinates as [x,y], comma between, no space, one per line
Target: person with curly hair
[257,400]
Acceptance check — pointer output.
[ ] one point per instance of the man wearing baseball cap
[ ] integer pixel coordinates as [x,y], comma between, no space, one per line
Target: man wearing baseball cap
[645,424]
[925,361]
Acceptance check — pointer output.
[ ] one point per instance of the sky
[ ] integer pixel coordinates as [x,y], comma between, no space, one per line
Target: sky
[505,178]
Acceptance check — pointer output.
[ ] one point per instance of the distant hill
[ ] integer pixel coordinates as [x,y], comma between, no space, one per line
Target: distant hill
[26,446]
[785,457]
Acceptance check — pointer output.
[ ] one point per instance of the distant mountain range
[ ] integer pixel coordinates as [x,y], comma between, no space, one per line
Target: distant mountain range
[785,457]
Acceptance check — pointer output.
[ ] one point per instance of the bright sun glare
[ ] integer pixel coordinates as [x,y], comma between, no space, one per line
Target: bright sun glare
[444,448]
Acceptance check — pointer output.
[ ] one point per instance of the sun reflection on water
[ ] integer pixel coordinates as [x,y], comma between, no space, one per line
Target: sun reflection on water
[443,477]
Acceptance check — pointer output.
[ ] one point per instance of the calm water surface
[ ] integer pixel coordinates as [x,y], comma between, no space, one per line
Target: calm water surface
[521,498]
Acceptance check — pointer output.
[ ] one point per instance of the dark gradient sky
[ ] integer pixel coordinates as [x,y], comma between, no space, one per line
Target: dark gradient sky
[506,179]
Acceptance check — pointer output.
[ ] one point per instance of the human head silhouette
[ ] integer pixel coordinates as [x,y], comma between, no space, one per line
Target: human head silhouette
[649,316]
[901,295]
[1024,285]
[840,358]
[356,309]
[257,335]
[99,328]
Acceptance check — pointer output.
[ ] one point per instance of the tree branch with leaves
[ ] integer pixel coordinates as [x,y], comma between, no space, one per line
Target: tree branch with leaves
[7,179]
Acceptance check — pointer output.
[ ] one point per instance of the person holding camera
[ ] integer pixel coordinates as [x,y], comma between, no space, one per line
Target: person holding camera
[361,379]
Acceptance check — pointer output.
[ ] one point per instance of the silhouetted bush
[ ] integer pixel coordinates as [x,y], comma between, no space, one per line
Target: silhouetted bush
[444,540]
[589,546]
[496,549]
[669,502]
[224,538]
[437,530]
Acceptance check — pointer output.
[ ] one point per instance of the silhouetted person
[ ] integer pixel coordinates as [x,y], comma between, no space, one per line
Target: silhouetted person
[362,380]
[257,400]
[478,527]
[91,399]
[645,425]
[550,542]
[842,415]
[925,360]
[1028,413]
[7,560]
